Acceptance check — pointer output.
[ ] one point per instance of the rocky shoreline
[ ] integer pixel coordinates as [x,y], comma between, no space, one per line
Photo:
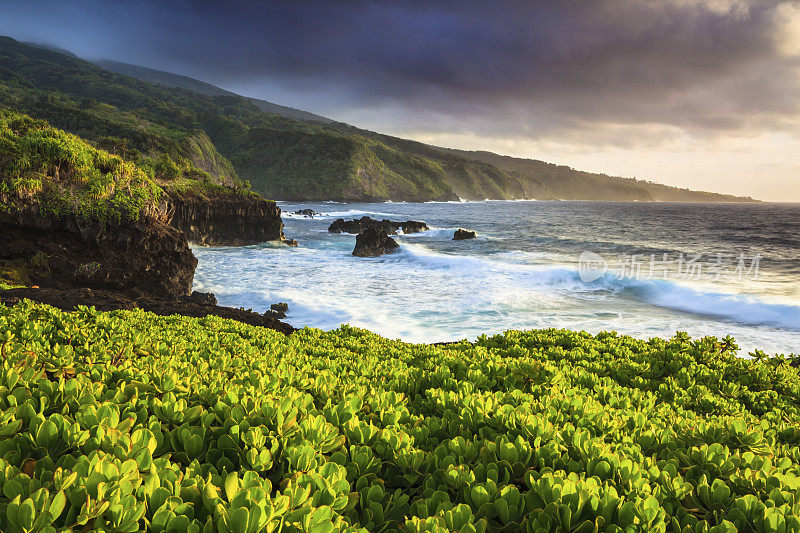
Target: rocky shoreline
[145,263]
[226,220]
[104,300]
[73,252]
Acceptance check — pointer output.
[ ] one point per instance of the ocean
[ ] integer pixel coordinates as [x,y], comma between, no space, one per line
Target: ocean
[642,269]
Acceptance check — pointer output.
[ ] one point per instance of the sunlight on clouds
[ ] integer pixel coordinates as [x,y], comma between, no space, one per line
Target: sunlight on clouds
[720,165]
[737,8]
[787,21]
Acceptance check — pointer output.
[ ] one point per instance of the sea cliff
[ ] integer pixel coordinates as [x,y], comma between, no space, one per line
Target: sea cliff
[73,215]
[226,220]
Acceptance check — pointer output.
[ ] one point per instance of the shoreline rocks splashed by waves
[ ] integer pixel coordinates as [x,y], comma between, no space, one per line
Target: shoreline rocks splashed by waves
[521,271]
[373,242]
[462,234]
[357,226]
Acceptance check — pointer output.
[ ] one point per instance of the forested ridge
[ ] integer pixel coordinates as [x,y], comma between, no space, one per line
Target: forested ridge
[233,140]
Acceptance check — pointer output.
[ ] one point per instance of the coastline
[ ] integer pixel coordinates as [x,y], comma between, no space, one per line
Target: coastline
[220,314]
[521,272]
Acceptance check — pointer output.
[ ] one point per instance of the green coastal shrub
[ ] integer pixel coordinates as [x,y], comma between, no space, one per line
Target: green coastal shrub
[128,421]
[64,175]
[165,168]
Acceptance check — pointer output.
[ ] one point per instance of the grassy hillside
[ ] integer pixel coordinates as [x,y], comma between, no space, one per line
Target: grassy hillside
[227,136]
[83,99]
[302,160]
[473,175]
[62,174]
[128,421]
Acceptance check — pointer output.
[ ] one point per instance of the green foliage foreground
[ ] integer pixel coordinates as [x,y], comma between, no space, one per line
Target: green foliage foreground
[126,421]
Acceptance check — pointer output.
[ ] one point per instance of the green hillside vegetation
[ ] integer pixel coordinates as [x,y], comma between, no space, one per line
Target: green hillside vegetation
[167,79]
[78,97]
[62,175]
[128,421]
[470,178]
[94,103]
[228,136]
[563,181]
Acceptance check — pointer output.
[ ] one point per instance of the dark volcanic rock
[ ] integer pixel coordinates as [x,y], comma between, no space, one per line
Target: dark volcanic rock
[374,242]
[359,225]
[231,220]
[151,255]
[103,300]
[76,252]
[462,234]
[308,213]
[203,298]
[413,226]
[280,309]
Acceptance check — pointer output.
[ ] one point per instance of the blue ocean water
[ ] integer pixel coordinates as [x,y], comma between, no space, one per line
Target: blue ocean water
[657,268]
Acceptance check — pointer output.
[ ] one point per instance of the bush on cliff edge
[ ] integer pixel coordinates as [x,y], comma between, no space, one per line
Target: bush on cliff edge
[64,175]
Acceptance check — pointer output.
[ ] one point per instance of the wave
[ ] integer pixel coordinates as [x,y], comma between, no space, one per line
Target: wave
[433,231]
[337,214]
[520,271]
[509,200]
[741,308]
[523,272]
[462,201]
[459,201]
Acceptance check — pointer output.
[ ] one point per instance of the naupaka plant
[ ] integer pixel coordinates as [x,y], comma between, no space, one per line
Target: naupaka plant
[128,421]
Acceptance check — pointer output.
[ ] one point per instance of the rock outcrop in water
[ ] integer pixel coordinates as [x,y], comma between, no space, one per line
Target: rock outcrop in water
[413,226]
[373,242]
[280,309]
[359,225]
[227,220]
[462,234]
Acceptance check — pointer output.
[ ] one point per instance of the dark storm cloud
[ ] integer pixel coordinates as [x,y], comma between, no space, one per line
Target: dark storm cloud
[510,68]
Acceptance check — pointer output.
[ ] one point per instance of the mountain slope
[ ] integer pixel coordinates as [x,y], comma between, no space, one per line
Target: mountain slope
[563,181]
[284,158]
[224,136]
[167,79]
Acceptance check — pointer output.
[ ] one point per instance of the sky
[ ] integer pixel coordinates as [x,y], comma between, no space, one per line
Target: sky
[699,94]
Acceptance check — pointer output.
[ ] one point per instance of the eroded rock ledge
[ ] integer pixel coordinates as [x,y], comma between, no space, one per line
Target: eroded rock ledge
[226,220]
[151,254]
[72,251]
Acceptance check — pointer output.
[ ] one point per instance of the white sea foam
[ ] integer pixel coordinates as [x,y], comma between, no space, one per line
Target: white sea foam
[741,308]
[349,213]
[433,289]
